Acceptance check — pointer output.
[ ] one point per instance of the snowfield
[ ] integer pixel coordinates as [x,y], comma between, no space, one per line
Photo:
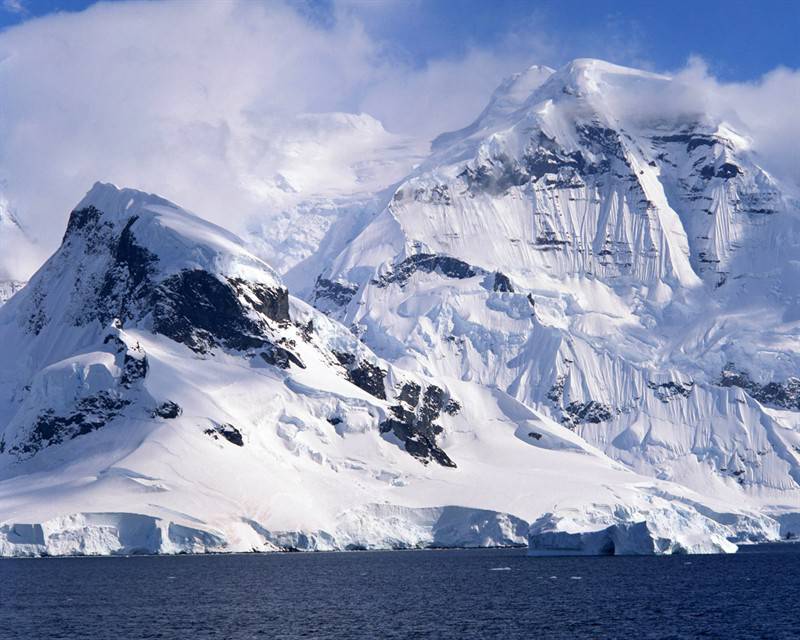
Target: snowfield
[570,327]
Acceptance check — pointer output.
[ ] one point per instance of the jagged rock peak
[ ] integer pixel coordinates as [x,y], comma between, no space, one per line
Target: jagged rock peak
[134,258]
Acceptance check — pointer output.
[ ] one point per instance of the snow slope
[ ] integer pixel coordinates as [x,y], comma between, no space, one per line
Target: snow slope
[161,391]
[629,275]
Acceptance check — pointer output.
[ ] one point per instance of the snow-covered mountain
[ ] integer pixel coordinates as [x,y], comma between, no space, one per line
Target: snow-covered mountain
[163,392]
[573,326]
[630,276]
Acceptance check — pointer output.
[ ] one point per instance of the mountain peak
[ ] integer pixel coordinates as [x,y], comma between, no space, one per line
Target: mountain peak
[510,95]
[585,77]
[115,201]
[180,239]
[581,78]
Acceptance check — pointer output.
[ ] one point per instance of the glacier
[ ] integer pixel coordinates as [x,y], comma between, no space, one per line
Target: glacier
[570,327]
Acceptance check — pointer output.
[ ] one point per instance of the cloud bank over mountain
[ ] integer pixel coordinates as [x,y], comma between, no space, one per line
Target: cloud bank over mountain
[209,105]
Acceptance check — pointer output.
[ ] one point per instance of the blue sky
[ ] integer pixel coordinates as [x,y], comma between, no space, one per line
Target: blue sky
[739,39]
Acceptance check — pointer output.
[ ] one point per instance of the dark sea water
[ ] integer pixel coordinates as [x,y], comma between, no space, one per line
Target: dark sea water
[404,594]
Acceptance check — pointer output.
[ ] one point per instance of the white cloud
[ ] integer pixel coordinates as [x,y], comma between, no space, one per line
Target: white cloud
[765,111]
[198,101]
[14,6]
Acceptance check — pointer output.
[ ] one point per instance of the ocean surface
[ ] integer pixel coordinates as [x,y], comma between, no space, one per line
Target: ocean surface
[458,594]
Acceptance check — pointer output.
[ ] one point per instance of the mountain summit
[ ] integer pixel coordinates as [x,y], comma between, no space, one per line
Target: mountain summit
[627,273]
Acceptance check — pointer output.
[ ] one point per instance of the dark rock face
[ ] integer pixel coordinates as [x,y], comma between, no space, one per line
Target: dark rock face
[272,302]
[339,293]
[502,283]
[409,394]
[602,141]
[726,171]
[412,422]
[495,177]
[545,156]
[227,431]
[90,413]
[371,378]
[452,408]
[666,391]
[199,310]
[784,395]
[134,367]
[196,309]
[167,410]
[577,412]
[427,263]
[556,392]
[38,318]
[365,375]
[345,359]
[81,219]
[692,140]
[135,258]
[438,194]
[280,357]
[128,279]
[432,404]
[548,240]
[583,412]
[547,164]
